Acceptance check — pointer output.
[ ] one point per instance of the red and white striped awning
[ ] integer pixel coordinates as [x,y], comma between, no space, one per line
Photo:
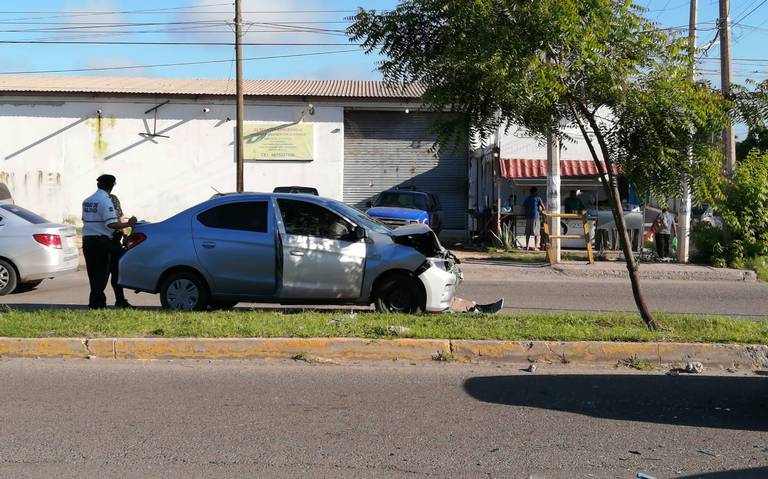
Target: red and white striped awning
[516,168]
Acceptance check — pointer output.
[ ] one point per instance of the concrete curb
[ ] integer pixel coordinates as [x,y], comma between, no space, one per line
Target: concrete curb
[701,273]
[579,352]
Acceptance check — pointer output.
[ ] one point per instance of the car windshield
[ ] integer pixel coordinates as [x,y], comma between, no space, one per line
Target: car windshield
[361,219]
[400,199]
[25,214]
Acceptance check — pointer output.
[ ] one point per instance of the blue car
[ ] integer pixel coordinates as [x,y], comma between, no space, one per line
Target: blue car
[402,207]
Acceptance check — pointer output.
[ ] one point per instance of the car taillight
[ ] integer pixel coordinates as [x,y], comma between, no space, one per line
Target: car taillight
[134,239]
[52,241]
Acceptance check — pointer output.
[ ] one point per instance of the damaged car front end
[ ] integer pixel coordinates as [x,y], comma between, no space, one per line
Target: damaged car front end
[440,273]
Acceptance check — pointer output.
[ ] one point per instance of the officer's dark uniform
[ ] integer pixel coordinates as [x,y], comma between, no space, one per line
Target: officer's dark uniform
[98,213]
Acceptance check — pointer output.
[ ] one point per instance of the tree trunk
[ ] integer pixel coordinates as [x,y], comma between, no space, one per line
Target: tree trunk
[626,247]
[612,191]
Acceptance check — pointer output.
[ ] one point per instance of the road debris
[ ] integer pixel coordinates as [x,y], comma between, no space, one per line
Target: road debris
[398,330]
[642,475]
[694,367]
[707,453]
[531,368]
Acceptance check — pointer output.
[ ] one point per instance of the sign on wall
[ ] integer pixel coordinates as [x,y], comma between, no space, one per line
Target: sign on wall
[278,141]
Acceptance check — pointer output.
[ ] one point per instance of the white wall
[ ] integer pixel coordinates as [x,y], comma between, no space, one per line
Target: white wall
[52,150]
[517,144]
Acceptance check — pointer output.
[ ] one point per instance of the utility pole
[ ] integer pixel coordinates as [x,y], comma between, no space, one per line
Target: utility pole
[684,234]
[239,93]
[553,193]
[729,140]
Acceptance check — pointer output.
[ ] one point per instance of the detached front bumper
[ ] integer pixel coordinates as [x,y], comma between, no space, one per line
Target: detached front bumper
[440,282]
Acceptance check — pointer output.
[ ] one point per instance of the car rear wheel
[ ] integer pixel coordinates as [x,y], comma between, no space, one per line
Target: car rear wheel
[184,291]
[8,277]
[399,294]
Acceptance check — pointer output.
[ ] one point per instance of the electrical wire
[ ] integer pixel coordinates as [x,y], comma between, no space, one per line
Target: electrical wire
[748,14]
[160,65]
[158,43]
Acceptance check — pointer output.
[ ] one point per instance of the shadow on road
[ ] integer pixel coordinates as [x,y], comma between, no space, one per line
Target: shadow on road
[757,473]
[699,401]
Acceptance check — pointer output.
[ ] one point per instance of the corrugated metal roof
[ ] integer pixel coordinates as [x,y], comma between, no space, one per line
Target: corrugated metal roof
[178,86]
[522,168]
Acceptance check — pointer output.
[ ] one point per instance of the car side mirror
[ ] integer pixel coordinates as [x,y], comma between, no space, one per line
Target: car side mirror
[360,233]
[369,204]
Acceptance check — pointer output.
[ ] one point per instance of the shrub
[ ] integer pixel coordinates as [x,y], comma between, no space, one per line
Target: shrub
[743,203]
[707,243]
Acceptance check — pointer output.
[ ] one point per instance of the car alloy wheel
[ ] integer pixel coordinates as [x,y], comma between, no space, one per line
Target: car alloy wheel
[5,276]
[8,278]
[182,295]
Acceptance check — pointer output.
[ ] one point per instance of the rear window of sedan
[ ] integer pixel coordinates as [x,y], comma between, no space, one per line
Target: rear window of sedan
[25,214]
[243,216]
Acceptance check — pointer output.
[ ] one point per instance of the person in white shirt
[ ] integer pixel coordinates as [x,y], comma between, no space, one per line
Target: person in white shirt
[99,222]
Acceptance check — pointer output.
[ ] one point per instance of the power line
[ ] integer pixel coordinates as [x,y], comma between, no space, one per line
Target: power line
[166,10]
[157,43]
[160,65]
[750,13]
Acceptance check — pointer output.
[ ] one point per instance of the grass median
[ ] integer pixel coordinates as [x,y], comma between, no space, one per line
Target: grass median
[258,323]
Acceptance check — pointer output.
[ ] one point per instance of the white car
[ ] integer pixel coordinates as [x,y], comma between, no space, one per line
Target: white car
[33,249]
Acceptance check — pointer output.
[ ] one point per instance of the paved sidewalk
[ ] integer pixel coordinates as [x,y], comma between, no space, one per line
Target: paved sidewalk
[611,269]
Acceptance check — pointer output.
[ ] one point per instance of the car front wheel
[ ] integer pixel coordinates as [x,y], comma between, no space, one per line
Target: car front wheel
[8,278]
[184,291]
[399,294]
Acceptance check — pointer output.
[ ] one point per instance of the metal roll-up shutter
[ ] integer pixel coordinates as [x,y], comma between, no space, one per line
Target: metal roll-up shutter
[387,149]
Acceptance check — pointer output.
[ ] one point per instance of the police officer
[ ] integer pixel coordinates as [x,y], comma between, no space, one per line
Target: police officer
[99,222]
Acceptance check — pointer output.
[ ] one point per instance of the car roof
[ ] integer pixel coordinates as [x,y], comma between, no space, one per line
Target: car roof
[226,197]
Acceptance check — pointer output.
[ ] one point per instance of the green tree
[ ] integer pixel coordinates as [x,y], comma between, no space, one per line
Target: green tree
[751,108]
[549,65]
[757,138]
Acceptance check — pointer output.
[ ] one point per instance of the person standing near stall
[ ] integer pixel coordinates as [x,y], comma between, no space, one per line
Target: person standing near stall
[533,208]
[100,221]
[665,228]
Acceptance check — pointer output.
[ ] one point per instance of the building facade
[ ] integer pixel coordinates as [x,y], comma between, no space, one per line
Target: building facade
[170,143]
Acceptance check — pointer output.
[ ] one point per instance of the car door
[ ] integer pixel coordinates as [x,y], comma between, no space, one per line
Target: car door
[322,259]
[235,243]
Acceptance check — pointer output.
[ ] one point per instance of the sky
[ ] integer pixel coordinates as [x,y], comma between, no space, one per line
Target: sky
[323,51]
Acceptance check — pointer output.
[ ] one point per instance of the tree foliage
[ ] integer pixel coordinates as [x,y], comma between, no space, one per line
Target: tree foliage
[545,65]
[751,107]
[743,205]
[550,65]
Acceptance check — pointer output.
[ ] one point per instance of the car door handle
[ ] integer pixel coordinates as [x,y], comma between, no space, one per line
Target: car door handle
[209,244]
[297,253]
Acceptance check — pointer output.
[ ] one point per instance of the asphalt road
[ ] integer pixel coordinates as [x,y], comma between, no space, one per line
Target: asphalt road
[523,289]
[99,418]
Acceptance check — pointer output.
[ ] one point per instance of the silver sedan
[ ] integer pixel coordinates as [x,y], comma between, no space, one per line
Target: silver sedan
[33,249]
[289,249]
